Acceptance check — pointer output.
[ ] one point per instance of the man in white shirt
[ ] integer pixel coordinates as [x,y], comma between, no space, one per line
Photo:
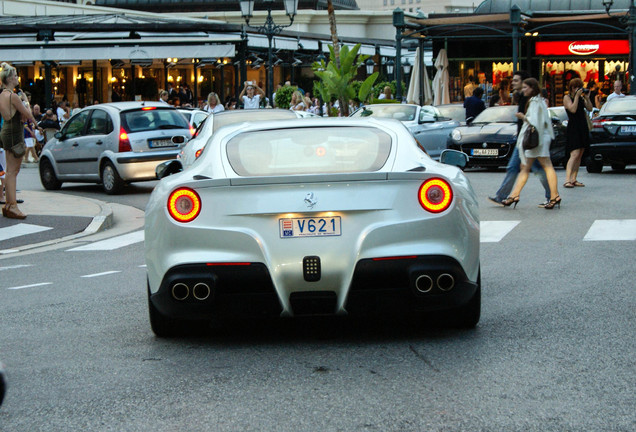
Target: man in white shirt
[618,86]
[254,94]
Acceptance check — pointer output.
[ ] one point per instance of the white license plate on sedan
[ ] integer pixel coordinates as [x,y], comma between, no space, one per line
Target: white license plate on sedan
[309,227]
[628,129]
[161,143]
[485,152]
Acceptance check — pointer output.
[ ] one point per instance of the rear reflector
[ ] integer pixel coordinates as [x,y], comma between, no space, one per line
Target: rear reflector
[184,205]
[435,195]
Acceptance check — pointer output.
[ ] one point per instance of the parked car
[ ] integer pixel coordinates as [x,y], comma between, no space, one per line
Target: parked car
[215,121]
[427,124]
[312,216]
[490,139]
[194,116]
[113,144]
[613,136]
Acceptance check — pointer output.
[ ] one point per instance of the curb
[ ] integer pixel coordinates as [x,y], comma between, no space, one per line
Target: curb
[100,222]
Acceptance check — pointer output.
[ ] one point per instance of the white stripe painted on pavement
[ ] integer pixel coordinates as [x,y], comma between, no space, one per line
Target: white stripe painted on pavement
[605,230]
[495,231]
[113,242]
[101,274]
[30,286]
[20,230]
[15,267]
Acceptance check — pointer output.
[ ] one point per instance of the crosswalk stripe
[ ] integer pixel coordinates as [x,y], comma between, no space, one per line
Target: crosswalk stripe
[494,231]
[112,243]
[17,266]
[31,286]
[606,230]
[21,229]
[101,274]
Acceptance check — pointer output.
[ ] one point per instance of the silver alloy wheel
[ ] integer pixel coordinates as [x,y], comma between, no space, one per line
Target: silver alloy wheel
[108,177]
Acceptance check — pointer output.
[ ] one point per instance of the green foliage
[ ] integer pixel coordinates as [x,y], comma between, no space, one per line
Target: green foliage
[284,95]
[339,82]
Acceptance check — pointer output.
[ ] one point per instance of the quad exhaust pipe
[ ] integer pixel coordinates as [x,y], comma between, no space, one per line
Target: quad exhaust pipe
[424,283]
[201,291]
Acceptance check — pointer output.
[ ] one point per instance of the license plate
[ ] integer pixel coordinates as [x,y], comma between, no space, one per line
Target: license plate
[309,227]
[628,129]
[161,143]
[485,152]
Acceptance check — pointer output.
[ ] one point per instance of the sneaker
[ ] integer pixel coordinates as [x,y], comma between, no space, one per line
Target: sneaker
[495,201]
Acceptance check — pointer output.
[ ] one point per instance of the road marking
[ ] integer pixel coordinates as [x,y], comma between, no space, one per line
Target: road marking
[30,286]
[20,230]
[606,230]
[113,242]
[101,274]
[495,231]
[15,267]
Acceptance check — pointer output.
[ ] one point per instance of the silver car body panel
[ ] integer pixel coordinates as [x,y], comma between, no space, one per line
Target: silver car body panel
[381,215]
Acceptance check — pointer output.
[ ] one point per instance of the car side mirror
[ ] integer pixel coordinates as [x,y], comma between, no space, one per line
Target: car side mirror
[469,120]
[167,168]
[454,157]
[427,119]
[58,136]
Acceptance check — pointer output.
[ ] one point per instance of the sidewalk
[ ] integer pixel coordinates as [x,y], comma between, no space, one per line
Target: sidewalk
[65,217]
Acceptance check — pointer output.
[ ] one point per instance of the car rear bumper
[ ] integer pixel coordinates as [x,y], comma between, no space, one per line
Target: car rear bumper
[133,166]
[610,152]
[412,284]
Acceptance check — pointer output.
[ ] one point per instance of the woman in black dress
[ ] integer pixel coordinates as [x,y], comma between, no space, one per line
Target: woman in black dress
[578,133]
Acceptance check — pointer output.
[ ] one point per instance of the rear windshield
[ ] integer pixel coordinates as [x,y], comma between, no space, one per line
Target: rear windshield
[397,111]
[224,119]
[153,118]
[319,150]
[620,106]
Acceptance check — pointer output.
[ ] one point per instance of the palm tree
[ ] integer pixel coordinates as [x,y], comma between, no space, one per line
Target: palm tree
[334,31]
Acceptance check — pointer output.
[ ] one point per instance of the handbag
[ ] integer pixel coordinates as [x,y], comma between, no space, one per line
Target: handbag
[18,150]
[530,138]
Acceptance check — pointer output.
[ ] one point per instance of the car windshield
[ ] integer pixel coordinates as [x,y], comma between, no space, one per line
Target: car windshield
[152,118]
[620,106]
[558,112]
[397,111]
[224,119]
[500,114]
[318,150]
[455,112]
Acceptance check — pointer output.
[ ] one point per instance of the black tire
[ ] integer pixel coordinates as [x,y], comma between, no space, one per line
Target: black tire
[47,175]
[111,181]
[618,167]
[594,166]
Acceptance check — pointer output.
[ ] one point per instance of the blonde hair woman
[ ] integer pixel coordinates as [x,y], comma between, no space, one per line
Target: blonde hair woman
[12,135]
[214,104]
[297,103]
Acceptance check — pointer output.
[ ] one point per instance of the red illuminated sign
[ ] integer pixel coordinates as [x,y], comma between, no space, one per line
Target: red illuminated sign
[582,48]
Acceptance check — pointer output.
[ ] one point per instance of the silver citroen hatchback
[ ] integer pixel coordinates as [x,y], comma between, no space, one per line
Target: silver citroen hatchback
[113,144]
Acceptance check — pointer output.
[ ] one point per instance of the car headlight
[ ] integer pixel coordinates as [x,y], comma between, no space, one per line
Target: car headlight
[456,135]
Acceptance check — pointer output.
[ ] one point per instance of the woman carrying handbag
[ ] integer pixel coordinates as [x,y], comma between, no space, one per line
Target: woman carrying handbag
[536,116]
[12,136]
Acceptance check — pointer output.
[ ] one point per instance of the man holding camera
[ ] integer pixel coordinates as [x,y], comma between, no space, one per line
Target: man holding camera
[254,94]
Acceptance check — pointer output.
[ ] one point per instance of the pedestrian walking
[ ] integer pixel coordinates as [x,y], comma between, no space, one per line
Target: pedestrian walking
[578,133]
[514,164]
[536,116]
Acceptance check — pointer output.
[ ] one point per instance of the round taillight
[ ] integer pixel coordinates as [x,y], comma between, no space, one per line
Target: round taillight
[435,195]
[184,205]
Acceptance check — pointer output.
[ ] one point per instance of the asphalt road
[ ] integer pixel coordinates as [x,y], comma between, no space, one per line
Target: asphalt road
[554,350]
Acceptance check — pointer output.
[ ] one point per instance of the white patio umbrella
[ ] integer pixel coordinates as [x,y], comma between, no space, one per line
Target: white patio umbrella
[441,80]
[413,95]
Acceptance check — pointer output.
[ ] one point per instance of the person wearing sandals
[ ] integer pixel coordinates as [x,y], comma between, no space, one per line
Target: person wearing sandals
[12,110]
[578,133]
[536,115]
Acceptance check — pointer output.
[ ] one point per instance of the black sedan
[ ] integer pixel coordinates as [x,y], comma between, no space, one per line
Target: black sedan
[490,139]
[613,136]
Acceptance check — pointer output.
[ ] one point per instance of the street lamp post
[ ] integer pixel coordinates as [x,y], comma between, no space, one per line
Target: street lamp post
[630,21]
[270,29]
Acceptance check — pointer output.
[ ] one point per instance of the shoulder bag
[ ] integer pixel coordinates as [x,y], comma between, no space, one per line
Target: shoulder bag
[530,138]
[18,150]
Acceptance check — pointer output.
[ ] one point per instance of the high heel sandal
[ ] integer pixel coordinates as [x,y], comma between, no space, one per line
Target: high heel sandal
[553,203]
[511,200]
[12,211]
